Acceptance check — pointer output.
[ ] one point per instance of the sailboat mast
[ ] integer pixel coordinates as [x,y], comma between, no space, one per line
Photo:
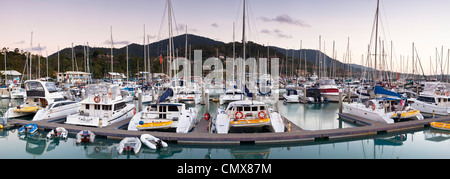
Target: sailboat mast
[31,49]
[243,33]
[376,37]
[58,59]
[170,35]
[112,56]
[234,51]
[128,79]
[145,52]
[243,47]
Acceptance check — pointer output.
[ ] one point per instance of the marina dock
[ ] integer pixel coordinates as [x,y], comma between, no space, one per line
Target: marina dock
[199,134]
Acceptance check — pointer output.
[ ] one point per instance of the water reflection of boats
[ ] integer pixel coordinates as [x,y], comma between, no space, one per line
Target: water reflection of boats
[396,140]
[436,135]
[37,144]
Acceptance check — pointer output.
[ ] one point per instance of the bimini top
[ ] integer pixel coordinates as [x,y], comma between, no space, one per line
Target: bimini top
[382,91]
[247,103]
[103,88]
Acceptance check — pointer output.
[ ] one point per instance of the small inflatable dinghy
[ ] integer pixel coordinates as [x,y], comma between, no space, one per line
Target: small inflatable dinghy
[152,142]
[129,143]
[59,132]
[29,128]
[440,125]
[85,136]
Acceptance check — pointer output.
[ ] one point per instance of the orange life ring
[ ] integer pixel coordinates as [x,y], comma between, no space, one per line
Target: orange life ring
[448,93]
[373,107]
[97,99]
[240,116]
[262,112]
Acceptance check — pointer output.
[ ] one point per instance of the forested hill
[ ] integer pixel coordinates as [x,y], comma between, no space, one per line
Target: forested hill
[100,57]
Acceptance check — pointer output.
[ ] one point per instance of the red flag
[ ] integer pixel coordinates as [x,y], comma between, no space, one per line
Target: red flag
[160,60]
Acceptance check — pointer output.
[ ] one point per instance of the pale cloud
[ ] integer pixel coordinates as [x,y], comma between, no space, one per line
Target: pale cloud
[286,19]
[276,32]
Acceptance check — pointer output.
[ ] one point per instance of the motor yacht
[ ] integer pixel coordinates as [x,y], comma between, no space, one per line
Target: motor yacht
[103,106]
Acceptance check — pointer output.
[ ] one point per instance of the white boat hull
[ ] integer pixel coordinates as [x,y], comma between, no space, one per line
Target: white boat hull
[152,142]
[291,98]
[129,142]
[78,119]
[332,97]
[429,108]
[58,113]
[367,113]
[9,114]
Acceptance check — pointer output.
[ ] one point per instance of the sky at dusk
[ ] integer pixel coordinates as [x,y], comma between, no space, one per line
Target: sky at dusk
[281,23]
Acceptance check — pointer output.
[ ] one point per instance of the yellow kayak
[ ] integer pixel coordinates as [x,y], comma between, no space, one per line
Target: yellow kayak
[26,109]
[440,125]
[155,125]
[407,114]
[250,121]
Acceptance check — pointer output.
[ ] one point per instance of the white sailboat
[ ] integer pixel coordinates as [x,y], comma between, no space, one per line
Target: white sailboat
[388,109]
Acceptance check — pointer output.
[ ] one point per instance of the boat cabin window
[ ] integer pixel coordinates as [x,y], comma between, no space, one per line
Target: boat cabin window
[239,108]
[119,106]
[247,108]
[106,107]
[69,102]
[255,108]
[87,106]
[426,99]
[97,107]
[172,108]
[56,105]
[262,108]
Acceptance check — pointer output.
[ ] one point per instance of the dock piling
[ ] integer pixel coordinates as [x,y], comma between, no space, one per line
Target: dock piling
[340,102]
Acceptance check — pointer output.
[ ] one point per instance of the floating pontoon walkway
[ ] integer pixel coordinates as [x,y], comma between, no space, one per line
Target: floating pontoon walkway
[200,136]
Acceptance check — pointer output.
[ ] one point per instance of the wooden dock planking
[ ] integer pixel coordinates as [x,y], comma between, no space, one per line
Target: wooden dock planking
[199,135]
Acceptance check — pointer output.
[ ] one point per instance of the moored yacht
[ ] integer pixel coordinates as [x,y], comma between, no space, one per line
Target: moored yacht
[231,95]
[329,90]
[434,99]
[291,96]
[39,95]
[102,107]
[247,113]
[189,96]
[385,109]
[164,115]
[59,109]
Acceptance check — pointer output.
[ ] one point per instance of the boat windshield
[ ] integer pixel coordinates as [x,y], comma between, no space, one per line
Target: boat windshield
[34,86]
[327,82]
[51,87]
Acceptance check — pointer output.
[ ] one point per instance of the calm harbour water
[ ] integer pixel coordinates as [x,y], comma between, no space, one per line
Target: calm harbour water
[425,143]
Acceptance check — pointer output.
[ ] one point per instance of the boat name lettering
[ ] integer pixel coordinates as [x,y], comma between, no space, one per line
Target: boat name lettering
[84,120]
